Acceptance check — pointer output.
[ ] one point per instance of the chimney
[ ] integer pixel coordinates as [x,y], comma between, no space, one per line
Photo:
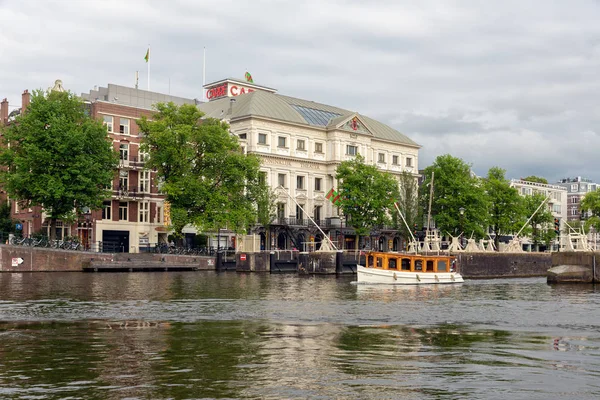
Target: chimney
[25,99]
[4,112]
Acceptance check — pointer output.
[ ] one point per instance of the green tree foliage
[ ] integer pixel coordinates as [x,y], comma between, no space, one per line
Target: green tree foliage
[535,179]
[408,203]
[505,206]
[591,204]
[366,195]
[207,179]
[7,223]
[541,225]
[455,188]
[57,157]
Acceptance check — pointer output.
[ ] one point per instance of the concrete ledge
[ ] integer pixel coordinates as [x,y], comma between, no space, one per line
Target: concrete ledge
[570,274]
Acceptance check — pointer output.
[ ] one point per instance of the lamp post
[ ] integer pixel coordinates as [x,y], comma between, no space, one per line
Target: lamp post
[462,213]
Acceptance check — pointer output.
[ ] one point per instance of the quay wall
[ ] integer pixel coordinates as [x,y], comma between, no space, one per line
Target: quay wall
[36,259]
[503,265]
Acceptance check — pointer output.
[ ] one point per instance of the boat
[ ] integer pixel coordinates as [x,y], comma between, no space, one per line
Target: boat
[395,268]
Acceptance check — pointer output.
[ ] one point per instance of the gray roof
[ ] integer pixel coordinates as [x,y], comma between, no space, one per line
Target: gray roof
[127,96]
[290,109]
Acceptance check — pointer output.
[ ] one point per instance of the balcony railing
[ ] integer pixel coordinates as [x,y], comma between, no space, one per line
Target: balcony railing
[131,162]
[131,192]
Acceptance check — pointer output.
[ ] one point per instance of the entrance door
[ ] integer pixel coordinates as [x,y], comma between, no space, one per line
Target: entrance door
[115,241]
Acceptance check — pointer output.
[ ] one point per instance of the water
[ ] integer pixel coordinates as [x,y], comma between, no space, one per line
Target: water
[195,335]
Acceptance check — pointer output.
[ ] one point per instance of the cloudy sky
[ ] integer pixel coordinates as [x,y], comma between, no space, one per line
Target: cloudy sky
[513,84]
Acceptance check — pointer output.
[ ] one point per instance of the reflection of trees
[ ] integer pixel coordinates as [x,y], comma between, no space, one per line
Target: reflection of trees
[203,360]
[401,348]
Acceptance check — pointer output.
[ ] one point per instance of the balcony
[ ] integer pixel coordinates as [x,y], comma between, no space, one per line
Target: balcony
[131,192]
[132,162]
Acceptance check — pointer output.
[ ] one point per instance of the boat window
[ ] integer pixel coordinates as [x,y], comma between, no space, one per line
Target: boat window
[418,265]
[405,264]
[379,262]
[392,263]
[370,262]
[442,266]
[430,265]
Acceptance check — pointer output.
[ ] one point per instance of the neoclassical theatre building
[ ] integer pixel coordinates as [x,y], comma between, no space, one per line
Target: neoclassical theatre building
[301,143]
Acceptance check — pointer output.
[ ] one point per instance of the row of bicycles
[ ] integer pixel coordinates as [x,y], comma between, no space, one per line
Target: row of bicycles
[42,241]
[164,248]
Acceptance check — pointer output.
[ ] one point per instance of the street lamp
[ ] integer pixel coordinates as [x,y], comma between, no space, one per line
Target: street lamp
[462,213]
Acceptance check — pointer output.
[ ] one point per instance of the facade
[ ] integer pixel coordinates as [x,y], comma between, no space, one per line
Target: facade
[576,188]
[556,204]
[301,143]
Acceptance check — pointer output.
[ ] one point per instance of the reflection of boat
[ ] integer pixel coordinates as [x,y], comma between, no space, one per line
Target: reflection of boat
[408,269]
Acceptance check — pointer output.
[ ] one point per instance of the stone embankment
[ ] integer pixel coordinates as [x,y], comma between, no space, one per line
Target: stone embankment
[574,267]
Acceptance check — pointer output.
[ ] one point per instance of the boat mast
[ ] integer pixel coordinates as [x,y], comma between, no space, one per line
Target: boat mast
[429,210]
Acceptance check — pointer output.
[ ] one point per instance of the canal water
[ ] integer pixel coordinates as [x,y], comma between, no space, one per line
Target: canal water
[196,335]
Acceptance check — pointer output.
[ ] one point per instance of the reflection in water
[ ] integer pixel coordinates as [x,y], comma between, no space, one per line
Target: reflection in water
[190,335]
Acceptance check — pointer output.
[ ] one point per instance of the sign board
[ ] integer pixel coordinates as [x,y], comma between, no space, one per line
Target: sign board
[242,257]
[211,262]
[17,261]
[19,227]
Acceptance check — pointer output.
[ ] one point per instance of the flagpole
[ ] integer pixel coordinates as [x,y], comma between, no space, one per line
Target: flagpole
[204,74]
[148,67]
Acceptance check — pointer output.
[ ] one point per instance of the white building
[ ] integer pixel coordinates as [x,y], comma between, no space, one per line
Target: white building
[557,202]
[576,188]
[301,143]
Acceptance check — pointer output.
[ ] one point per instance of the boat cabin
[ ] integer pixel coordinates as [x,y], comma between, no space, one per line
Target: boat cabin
[409,262]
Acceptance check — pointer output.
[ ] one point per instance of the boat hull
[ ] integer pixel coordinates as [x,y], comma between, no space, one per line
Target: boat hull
[390,277]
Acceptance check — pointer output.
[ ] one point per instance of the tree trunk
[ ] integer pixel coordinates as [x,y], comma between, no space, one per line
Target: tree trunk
[52,230]
[357,243]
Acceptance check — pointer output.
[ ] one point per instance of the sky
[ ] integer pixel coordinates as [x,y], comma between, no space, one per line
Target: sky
[509,84]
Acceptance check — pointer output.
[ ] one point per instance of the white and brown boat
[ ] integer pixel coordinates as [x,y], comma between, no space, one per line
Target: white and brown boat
[394,268]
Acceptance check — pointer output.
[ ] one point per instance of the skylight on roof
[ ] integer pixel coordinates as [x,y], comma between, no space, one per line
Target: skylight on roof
[313,116]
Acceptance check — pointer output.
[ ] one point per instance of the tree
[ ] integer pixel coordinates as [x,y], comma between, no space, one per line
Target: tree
[206,178]
[505,206]
[7,223]
[535,179]
[57,157]
[408,203]
[591,204]
[540,227]
[455,188]
[366,195]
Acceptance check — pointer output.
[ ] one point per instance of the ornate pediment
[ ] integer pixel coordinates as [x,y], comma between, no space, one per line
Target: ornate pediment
[353,124]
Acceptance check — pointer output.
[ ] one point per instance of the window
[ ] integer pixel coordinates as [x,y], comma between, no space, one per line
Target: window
[145,181]
[574,187]
[124,126]
[299,212]
[143,156]
[159,214]
[405,265]
[395,160]
[281,180]
[442,266]
[123,211]
[318,184]
[123,180]
[318,147]
[106,210]
[108,122]
[280,211]
[301,145]
[262,138]
[409,162]
[392,263]
[144,211]
[381,157]
[317,213]
[351,150]
[124,151]
[281,141]
[242,136]
[299,182]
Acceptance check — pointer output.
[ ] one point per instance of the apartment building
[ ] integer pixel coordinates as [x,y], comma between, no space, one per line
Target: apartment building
[301,143]
[577,188]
